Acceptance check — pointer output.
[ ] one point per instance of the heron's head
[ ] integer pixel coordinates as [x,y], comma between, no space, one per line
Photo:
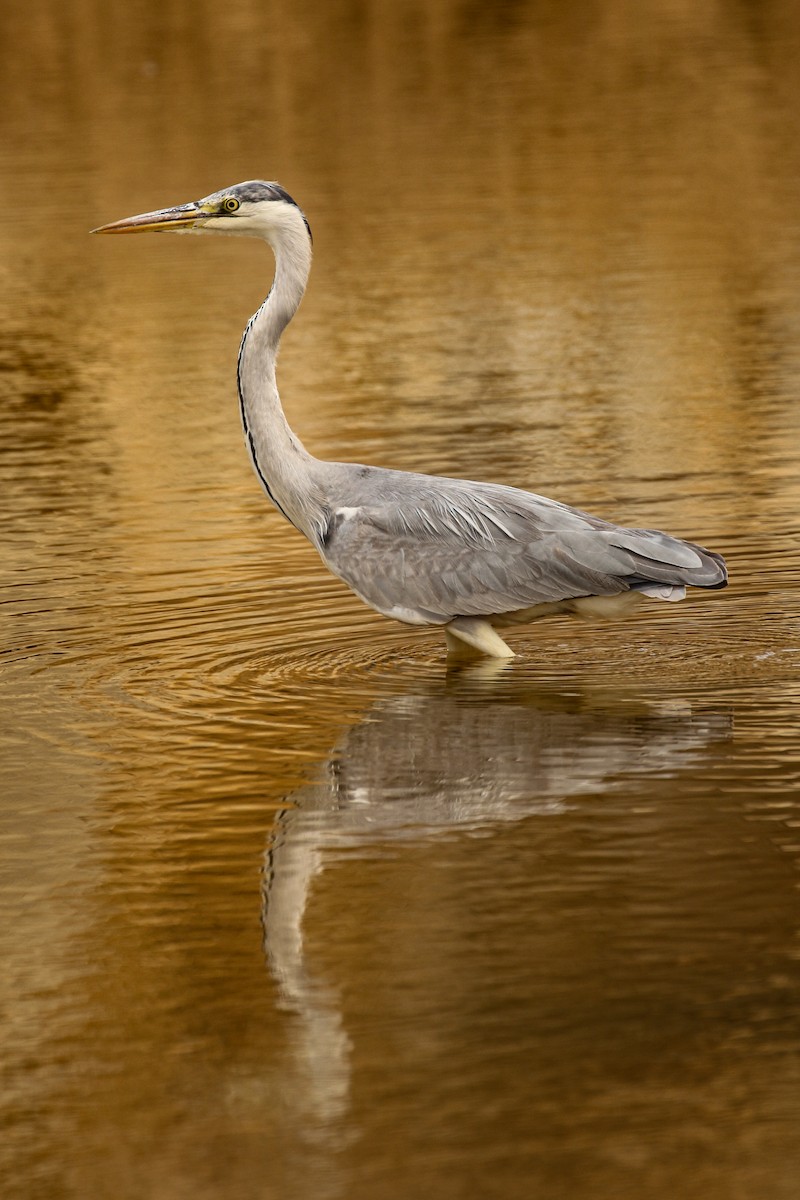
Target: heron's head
[252,209]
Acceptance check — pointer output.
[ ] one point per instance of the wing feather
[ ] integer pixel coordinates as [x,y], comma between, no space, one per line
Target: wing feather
[440,548]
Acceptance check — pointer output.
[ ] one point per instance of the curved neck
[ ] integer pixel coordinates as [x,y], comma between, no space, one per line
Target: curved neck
[281,462]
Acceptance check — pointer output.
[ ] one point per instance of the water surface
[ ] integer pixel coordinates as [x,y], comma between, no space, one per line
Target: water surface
[289,909]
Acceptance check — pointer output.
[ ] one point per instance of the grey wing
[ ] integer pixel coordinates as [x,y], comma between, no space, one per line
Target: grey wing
[462,549]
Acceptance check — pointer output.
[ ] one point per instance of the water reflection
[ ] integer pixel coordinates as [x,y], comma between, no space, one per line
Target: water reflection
[556,246]
[421,766]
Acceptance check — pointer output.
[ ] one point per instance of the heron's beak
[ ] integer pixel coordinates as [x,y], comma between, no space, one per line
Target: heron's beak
[182,219]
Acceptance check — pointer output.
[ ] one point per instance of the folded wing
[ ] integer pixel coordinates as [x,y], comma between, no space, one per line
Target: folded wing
[438,548]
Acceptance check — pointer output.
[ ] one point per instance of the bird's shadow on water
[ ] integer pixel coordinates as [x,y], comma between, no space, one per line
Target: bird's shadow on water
[461,757]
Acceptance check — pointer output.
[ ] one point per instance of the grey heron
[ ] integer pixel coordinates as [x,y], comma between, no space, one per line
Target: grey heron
[423,549]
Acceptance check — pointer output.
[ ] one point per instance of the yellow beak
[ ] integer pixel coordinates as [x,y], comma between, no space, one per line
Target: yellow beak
[172,220]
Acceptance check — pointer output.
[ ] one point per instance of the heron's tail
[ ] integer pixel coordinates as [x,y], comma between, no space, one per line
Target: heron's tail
[667,579]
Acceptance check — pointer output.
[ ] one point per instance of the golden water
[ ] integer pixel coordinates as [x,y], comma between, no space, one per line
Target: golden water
[288,910]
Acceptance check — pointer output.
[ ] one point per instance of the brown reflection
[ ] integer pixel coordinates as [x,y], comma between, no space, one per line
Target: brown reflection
[418,767]
[556,245]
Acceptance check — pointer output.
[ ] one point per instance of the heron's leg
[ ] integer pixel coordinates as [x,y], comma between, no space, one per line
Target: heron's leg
[458,650]
[476,634]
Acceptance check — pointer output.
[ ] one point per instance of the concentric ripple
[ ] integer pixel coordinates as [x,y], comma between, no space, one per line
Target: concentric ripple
[138,674]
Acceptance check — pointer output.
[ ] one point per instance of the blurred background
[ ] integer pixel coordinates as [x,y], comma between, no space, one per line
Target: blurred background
[290,910]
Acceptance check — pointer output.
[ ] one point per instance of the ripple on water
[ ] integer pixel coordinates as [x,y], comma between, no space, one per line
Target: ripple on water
[154,660]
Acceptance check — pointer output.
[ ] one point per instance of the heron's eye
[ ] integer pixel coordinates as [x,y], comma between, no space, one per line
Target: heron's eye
[230,204]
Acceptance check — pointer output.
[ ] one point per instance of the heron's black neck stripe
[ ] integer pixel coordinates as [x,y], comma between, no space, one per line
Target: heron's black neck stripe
[250,440]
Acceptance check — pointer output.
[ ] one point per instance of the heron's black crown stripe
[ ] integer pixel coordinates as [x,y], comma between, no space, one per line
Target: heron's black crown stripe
[258,189]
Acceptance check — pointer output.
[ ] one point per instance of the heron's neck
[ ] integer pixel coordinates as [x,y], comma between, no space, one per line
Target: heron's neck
[281,462]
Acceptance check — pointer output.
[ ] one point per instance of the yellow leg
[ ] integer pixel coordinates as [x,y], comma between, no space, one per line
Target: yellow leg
[466,634]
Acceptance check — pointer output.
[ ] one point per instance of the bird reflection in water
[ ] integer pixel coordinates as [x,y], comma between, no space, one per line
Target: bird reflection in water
[459,760]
